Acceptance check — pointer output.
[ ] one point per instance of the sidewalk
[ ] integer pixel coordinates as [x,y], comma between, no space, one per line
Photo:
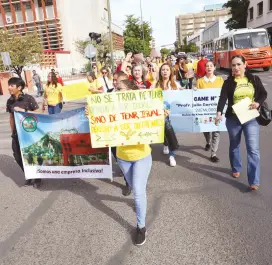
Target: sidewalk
[3,99]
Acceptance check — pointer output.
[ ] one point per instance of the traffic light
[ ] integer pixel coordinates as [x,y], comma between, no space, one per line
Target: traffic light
[95,37]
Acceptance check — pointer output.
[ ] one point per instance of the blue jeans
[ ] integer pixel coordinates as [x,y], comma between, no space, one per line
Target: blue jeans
[136,174]
[251,133]
[55,109]
[39,89]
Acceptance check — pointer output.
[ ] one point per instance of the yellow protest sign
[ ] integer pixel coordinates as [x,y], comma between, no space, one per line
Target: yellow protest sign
[126,118]
[75,91]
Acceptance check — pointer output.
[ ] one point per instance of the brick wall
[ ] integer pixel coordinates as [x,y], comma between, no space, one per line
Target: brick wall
[118,41]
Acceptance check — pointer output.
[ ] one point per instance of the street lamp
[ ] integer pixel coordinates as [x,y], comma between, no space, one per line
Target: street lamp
[110,33]
[142,24]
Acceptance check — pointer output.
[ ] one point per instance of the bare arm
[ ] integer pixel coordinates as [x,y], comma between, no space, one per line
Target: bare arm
[11,122]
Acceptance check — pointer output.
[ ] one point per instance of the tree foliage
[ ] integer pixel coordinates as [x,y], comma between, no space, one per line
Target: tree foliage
[239,13]
[103,48]
[165,52]
[133,36]
[23,50]
[191,47]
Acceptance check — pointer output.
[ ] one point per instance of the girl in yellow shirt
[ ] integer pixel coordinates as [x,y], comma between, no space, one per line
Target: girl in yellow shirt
[95,84]
[211,81]
[135,161]
[53,95]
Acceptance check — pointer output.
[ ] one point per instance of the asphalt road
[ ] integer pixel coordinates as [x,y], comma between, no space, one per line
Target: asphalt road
[197,214]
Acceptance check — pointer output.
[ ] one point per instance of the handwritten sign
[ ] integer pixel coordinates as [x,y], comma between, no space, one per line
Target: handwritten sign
[126,118]
[76,91]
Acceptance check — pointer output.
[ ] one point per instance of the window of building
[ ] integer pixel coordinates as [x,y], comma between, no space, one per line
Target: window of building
[27,5]
[251,13]
[260,9]
[17,7]
[46,2]
[6,8]
[270,5]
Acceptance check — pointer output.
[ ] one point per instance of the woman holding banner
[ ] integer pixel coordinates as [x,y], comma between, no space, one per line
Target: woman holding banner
[242,84]
[53,95]
[211,81]
[135,162]
[167,82]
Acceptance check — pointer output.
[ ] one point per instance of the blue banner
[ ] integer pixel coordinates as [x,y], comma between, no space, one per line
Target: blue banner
[59,146]
[193,111]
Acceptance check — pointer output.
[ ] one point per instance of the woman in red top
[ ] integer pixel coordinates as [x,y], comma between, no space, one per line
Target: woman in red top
[138,76]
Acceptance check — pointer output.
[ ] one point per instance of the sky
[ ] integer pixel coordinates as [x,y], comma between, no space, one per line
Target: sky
[161,13]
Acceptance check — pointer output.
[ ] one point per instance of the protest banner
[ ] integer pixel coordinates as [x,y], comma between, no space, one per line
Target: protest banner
[126,118]
[75,91]
[193,111]
[59,146]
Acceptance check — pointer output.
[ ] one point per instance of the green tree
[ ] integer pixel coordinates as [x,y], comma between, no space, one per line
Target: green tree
[165,52]
[23,50]
[133,36]
[239,13]
[103,48]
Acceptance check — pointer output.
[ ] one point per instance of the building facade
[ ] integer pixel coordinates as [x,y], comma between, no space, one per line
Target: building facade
[260,15]
[187,24]
[211,32]
[59,23]
[197,39]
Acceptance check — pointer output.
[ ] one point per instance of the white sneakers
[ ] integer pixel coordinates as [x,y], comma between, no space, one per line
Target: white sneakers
[165,150]
[172,161]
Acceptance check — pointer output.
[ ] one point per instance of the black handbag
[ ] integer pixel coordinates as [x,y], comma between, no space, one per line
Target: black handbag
[170,136]
[265,115]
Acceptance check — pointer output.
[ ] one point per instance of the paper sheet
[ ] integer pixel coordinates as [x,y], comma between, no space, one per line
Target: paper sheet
[243,112]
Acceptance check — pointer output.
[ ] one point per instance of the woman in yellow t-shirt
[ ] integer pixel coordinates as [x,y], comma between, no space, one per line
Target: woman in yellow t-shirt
[95,84]
[211,81]
[135,161]
[53,95]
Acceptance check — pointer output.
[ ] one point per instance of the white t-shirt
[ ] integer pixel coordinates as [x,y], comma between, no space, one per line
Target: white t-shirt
[104,81]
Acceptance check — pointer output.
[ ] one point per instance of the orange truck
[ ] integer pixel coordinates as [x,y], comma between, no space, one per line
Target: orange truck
[252,44]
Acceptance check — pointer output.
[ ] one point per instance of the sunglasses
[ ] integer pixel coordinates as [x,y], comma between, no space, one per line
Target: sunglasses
[104,73]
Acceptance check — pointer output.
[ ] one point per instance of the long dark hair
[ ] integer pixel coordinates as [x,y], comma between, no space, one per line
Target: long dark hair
[242,58]
[54,79]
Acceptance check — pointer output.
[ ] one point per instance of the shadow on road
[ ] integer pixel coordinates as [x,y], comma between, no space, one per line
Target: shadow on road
[213,172]
[10,169]
[90,193]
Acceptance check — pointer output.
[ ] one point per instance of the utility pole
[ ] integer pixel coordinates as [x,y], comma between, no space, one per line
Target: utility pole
[110,33]
[142,25]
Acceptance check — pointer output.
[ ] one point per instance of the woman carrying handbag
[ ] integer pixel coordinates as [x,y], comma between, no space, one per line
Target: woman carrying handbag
[167,82]
[240,85]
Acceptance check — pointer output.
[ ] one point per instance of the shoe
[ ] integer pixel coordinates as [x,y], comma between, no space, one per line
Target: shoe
[236,175]
[207,147]
[254,187]
[165,150]
[28,182]
[215,159]
[140,236]
[126,191]
[37,183]
[172,161]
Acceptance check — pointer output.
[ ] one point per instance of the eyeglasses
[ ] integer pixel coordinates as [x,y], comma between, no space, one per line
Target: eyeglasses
[104,73]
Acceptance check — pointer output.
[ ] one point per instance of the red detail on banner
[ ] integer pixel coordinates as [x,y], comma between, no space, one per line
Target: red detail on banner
[78,144]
